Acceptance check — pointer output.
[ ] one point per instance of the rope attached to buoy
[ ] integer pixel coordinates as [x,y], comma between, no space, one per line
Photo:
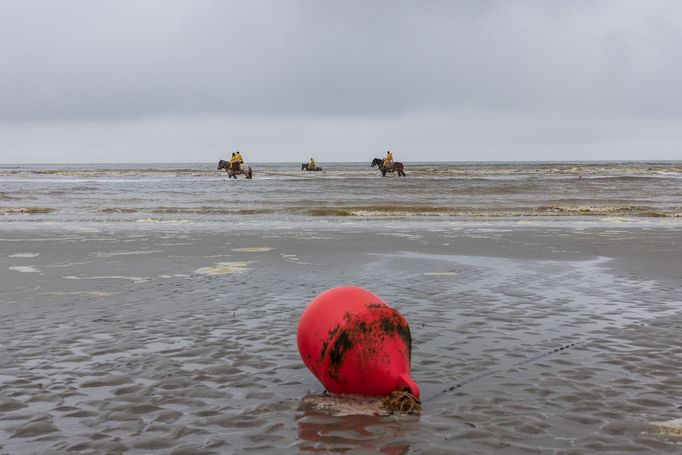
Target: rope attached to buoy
[403,402]
[492,372]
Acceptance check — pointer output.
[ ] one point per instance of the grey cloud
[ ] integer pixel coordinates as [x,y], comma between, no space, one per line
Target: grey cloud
[164,80]
[114,60]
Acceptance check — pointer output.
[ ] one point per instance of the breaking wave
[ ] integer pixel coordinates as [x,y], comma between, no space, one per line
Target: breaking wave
[284,170]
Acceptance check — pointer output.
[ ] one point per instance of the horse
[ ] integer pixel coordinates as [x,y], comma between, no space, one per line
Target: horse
[243,169]
[396,167]
[304,167]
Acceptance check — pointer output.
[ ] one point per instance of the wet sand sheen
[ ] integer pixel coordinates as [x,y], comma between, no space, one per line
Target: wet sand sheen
[528,339]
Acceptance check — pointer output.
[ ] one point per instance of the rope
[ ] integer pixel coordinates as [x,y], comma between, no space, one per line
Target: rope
[403,402]
[491,372]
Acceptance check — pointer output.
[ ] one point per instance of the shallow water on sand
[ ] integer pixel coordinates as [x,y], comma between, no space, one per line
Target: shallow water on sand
[183,341]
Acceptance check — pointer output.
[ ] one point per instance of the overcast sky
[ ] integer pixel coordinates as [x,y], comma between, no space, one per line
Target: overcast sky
[194,80]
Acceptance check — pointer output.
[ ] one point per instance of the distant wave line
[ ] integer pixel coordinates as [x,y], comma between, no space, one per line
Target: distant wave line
[417,210]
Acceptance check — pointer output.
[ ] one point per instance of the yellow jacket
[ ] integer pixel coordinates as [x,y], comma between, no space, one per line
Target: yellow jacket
[239,158]
[311,163]
[388,159]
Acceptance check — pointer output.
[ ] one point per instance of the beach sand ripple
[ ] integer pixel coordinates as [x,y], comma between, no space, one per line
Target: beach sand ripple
[523,349]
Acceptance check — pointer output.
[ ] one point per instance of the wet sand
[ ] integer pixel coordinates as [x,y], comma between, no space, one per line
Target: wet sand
[528,339]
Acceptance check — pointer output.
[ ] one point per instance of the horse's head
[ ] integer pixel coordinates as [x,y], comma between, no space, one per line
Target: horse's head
[377,162]
[222,164]
[304,166]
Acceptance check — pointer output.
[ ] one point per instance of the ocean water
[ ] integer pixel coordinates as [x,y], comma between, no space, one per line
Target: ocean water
[155,307]
[120,194]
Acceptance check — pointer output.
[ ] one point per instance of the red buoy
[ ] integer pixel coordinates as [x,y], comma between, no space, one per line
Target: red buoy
[355,343]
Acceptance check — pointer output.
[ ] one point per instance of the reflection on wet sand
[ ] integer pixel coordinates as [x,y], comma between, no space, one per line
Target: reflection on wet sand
[320,432]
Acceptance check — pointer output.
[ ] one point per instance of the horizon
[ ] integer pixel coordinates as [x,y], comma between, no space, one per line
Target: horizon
[121,163]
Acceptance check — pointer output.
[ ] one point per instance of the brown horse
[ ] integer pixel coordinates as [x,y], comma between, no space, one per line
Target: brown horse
[306,167]
[397,166]
[243,169]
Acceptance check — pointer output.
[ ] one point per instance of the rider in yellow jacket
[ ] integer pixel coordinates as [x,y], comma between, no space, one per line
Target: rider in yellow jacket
[236,160]
[311,165]
[388,161]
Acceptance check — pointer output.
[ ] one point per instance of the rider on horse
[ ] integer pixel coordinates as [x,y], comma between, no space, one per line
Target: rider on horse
[388,161]
[311,165]
[236,160]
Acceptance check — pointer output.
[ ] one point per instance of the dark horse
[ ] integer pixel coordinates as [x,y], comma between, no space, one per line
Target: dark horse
[243,169]
[305,167]
[396,167]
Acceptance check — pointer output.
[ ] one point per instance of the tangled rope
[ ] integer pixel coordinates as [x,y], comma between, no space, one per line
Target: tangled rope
[403,402]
